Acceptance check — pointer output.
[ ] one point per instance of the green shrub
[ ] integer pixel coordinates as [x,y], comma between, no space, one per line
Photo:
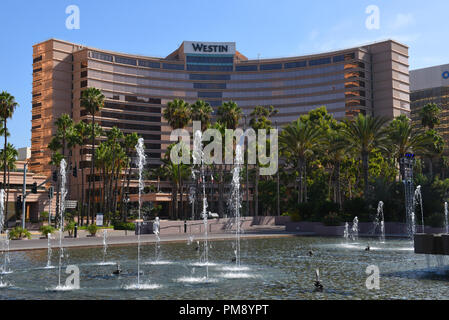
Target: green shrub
[92,228]
[19,233]
[332,219]
[46,230]
[124,226]
[436,220]
[70,227]
[44,216]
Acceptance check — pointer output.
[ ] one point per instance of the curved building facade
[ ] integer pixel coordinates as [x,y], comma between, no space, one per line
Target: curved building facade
[371,79]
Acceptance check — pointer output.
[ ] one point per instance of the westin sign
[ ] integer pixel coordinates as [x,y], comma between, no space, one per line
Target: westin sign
[209,47]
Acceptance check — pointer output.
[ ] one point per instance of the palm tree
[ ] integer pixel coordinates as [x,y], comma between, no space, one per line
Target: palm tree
[405,139]
[201,111]
[178,115]
[430,115]
[337,151]
[260,119]
[7,106]
[298,142]
[229,114]
[103,162]
[92,100]
[11,157]
[114,139]
[129,144]
[82,132]
[364,134]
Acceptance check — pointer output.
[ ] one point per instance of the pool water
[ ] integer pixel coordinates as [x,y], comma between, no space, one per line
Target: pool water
[275,268]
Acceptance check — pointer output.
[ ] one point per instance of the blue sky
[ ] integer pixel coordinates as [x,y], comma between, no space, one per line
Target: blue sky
[259,27]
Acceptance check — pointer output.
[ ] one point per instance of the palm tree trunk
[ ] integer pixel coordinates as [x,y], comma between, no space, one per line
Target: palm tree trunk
[116,189]
[220,193]
[92,170]
[337,178]
[365,174]
[7,195]
[4,169]
[300,166]
[305,181]
[125,216]
[82,195]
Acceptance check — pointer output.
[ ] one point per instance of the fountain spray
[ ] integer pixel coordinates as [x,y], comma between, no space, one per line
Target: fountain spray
[156,231]
[142,160]
[62,171]
[236,197]
[446,222]
[418,198]
[105,245]
[379,221]
[355,229]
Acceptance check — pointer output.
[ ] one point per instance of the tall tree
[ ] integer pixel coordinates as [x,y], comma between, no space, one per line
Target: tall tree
[11,157]
[405,139]
[298,142]
[364,134]
[92,100]
[430,115]
[83,131]
[8,105]
[178,114]
[229,114]
[201,111]
[129,145]
[260,120]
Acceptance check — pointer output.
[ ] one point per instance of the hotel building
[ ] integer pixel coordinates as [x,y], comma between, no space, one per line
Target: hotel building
[371,79]
[431,85]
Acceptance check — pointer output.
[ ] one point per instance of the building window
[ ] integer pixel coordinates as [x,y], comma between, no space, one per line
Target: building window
[210,94]
[83,83]
[273,66]
[296,64]
[83,74]
[102,56]
[210,77]
[199,67]
[210,60]
[209,85]
[37,70]
[244,68]
[321,61]
[122,60]
[172,66]
[149,64]
[37,59]
[37,116]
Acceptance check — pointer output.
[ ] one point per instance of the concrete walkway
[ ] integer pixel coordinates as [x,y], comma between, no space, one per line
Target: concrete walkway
[118,238]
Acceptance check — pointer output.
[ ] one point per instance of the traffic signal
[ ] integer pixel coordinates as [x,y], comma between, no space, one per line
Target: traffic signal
[55,176]
[34,188]
[19,203]
[75,172]
[50,192]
